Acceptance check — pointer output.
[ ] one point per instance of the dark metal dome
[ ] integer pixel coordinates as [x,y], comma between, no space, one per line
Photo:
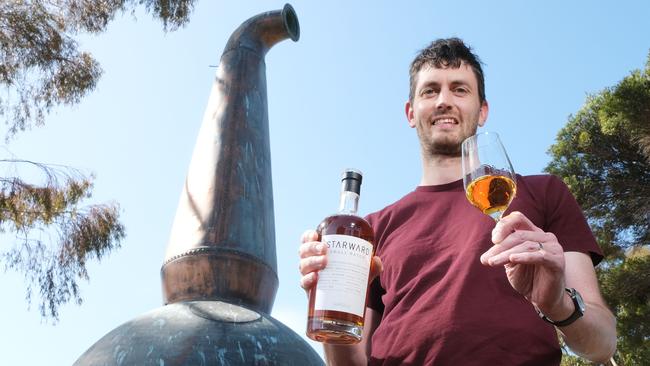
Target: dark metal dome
[201,333]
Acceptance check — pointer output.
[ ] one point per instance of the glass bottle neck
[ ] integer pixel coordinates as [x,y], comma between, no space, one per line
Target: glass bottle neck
[349,203]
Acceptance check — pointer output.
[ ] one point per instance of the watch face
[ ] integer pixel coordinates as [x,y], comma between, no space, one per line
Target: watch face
[581,303]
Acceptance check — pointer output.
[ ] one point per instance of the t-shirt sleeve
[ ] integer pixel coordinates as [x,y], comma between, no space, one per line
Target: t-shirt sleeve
[566,220]
[375,290]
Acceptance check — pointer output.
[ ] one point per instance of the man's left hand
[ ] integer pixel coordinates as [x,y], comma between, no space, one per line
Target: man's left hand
[533,260]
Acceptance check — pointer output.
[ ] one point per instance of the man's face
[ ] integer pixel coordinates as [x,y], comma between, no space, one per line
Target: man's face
[445,109]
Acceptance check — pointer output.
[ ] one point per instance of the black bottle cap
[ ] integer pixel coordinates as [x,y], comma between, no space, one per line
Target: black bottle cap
[351,179]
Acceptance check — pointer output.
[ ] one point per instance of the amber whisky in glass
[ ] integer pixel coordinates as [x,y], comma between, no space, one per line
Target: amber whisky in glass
[491,193]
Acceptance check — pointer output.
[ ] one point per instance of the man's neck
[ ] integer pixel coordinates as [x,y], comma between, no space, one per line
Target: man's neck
[438,170]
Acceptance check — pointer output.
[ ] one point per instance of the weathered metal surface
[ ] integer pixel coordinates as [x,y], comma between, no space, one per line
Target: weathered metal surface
[200,333]
[227,201]
[211,273]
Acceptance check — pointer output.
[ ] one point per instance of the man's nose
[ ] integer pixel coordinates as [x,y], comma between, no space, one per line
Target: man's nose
[444,100]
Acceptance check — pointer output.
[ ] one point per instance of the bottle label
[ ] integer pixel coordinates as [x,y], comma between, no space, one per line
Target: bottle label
[343,283]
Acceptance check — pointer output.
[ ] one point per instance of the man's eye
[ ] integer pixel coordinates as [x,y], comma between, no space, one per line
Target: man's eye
[428,91]
[461,91]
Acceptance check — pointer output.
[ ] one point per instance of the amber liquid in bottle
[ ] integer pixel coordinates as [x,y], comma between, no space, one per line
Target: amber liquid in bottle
[337,302]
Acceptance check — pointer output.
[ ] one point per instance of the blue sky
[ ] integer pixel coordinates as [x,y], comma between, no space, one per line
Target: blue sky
[336,100]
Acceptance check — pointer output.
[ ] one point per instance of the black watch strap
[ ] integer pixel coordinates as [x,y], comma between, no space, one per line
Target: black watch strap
[577,312]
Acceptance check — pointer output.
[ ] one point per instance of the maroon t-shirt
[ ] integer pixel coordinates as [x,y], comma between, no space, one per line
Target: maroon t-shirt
[439,304]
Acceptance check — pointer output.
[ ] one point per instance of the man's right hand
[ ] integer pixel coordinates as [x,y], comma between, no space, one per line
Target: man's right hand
[313,258]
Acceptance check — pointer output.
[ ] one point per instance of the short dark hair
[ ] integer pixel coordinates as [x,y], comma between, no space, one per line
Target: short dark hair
[449,52]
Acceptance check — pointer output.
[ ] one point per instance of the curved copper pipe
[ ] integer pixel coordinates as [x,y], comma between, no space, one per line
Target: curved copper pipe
[222,244]
[263,31]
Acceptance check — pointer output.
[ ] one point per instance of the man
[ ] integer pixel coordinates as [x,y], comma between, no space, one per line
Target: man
[443,296]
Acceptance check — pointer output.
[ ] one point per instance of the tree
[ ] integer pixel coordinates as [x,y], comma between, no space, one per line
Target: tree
[42,68]
[603,154]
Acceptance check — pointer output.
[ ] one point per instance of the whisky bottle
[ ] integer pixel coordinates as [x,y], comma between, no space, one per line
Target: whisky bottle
[337,302]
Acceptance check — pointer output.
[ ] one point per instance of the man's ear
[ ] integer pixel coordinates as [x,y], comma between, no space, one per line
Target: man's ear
[483,114]
[408,109]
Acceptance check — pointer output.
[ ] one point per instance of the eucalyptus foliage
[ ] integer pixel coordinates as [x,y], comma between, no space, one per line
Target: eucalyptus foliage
[51,233]
[603,154]
[40,62]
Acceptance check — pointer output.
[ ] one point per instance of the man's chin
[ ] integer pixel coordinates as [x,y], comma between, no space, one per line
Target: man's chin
[446,150]
[444,144]
[447,145]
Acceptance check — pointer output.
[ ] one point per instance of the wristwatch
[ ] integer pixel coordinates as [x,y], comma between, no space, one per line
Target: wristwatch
[577,313]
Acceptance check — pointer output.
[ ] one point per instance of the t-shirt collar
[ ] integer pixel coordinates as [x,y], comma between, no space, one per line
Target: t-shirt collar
[457,184]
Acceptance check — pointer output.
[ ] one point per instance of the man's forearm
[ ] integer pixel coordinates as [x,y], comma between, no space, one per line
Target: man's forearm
[593,336]
[343,355]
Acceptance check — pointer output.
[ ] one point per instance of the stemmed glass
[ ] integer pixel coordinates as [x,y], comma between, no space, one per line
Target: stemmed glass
[488,176]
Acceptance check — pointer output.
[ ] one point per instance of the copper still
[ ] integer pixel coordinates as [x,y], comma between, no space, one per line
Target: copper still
[224,222]
[219,277]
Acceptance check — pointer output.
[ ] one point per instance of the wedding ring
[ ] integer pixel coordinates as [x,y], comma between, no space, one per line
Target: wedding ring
[541,247]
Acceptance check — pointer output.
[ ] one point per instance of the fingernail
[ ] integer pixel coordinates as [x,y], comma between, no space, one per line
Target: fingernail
[319,248]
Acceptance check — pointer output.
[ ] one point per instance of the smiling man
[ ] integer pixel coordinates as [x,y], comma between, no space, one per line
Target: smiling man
[450,95]
[453,289]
